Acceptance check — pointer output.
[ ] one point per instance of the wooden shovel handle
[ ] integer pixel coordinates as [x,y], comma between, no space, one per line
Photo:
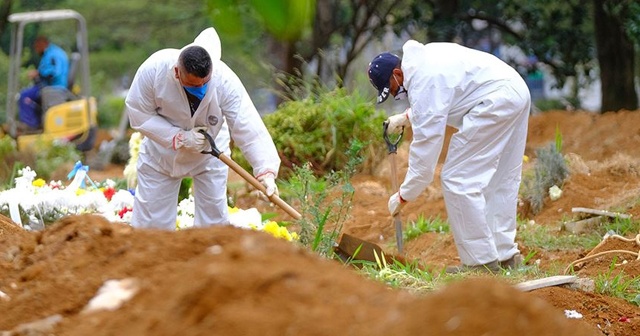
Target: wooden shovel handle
[256,184]
[248,177]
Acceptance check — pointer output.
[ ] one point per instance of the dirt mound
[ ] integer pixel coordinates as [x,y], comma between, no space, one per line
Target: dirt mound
[9,229]
[230,281]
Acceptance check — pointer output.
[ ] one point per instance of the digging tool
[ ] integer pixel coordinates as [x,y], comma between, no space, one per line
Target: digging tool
[392,146]
[353,248]
[248,177]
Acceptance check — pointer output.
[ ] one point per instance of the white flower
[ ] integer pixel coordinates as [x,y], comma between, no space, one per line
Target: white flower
[130,172]
[127,217]
[25,180]
[110,183]
[247,219]
[555,193]
[186,210]
[121,199]
[43,203]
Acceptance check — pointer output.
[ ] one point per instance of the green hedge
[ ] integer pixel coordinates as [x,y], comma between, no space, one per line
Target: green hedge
[318,131]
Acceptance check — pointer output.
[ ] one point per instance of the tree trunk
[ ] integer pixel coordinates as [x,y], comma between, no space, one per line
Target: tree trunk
[616,59]
[5,10]
[286,65]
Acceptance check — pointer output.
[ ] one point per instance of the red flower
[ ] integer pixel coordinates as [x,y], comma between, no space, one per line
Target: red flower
[124,211]
[109,192]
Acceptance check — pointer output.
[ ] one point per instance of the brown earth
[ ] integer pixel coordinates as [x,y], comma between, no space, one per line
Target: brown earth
[229,281]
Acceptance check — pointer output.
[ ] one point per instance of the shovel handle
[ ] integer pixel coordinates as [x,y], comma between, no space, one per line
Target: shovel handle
[214,150]
[248,177]
[392,145]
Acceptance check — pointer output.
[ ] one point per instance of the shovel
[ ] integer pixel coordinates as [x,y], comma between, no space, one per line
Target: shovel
[392,146]
[248,177]
[352,248]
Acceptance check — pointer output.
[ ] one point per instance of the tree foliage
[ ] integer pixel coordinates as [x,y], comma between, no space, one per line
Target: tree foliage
[324,39]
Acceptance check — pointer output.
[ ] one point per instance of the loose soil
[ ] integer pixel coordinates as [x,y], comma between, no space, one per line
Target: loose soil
[230,281]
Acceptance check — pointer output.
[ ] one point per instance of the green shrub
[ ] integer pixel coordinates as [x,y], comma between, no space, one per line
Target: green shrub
[110,110]
[550,169]
[46,162]
[8,148]
[58,155]
[325,201]
[550,105]
[318,130]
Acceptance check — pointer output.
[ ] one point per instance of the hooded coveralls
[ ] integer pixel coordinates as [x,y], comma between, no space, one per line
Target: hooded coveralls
[158,108]
[488,102]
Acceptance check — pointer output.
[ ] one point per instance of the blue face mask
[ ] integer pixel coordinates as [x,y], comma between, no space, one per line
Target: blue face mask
[401,94]
[198,91]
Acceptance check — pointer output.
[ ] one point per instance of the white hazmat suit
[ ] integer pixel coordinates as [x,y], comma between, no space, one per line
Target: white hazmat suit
[158,108]
[488,102]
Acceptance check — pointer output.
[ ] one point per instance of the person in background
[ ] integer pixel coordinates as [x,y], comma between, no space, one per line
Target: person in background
[174,95]
[52,71]
[488,103]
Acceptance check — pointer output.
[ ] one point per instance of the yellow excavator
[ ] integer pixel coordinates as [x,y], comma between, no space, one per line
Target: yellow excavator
[71,117]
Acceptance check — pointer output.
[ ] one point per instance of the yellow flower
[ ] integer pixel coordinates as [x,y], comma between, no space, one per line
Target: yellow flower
[278,231]
[271,227]
[233,210]
[39,183]
[80,192]
[525,158]
[284,233]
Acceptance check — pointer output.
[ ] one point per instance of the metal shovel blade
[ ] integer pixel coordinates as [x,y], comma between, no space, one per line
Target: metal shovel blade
[399,241]
[353,248]
[392,146]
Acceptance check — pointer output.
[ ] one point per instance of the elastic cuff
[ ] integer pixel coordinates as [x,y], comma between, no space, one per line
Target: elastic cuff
[173,142]
[271,172]
[407,113]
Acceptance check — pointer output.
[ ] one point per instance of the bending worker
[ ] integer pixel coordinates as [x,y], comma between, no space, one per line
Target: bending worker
[174,95]
[488,103]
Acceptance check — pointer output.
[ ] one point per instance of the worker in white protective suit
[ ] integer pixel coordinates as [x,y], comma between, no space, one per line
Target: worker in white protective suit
[175,94]
[488,103]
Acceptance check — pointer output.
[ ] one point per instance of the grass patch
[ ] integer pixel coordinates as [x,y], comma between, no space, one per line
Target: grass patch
[620,285]
[552,239]
[423,225]
[416,279]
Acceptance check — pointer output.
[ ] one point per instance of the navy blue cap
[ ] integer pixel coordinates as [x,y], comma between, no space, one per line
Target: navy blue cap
[380,70]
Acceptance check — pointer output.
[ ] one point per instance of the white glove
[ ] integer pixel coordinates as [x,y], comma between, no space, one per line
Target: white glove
[191,140]
[398,121]
[268,180]
[396,203]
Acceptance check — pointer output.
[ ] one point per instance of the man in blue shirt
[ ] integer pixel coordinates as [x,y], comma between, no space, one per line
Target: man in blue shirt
[52,71]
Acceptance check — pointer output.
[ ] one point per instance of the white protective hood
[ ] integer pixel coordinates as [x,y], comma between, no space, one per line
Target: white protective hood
[157,107]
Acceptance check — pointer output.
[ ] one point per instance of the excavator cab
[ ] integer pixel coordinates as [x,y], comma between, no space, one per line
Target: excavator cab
[68,115]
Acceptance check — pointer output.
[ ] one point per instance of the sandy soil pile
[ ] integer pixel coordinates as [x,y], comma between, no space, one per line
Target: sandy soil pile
[229,281]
